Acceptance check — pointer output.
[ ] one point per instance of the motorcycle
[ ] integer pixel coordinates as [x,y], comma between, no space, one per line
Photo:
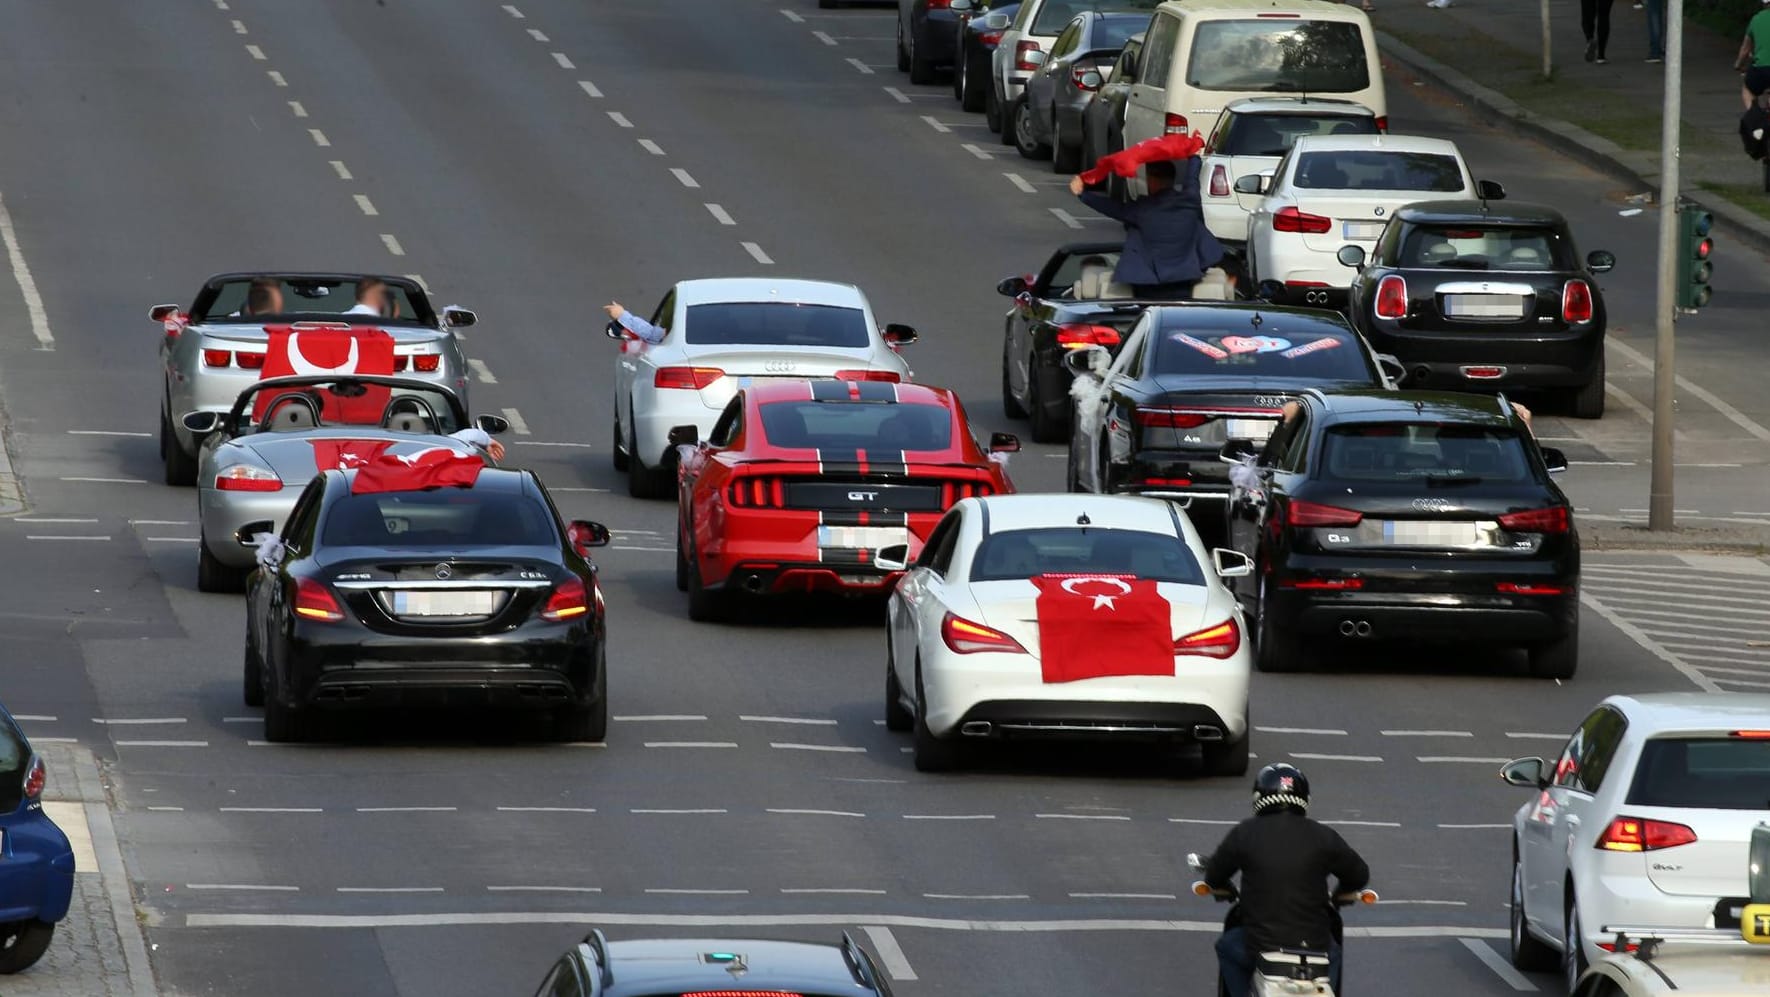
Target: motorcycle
[1286,972]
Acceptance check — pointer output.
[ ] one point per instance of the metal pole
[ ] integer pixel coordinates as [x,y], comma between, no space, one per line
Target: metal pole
[1548,63]
[1659,499]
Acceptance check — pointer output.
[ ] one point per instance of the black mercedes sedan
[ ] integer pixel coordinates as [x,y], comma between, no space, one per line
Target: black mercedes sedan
[383,591]
[1483,296]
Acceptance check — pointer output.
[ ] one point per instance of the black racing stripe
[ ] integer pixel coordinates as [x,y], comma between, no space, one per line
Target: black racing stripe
[877,391]
[842,555]
[843,517]
[829,391]
[841,467]
[886,462]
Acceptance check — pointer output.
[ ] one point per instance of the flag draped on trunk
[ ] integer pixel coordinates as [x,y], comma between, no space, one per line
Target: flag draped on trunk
[1152,150]
[346,454]
[1094,626]
[294,352]
[438,467]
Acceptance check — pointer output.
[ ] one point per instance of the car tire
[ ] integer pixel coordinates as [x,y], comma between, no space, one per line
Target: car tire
[897,718]
[1006,128]
[1021,124]
[283,725]
[1588,402]
[681,557]
[1528,952]
[1227,758]
[1046,428]
[1064,158]
[617,450]
[1277,649]
[933,754]
[181,468]
[1011,406]
[213,576]
[705,605]
[252,677]
[22,943]
[903,54]
[921,70]
[1556,659]
[1573,957]
[645,482]
[971,91]
[992,108]
[584,724]
[959,63]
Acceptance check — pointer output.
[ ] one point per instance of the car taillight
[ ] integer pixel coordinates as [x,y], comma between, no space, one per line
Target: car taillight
[245,478]
[965,637]
[315,601]
[400,363]
[1078,335]
[569,599]
[1020,51]
[1315,514]
[250,361]
[1554,519]
[953,491]
[869,375]
[1220,641]
[1576,302]
[1174,124]
[939,4]
[1382,123]
[427,362]
[1529,588]
[1290,219]
[217,358]
[1323,584]
[989,37]
[692,378]
[1075,77]
[740,993]
[35,777]
[1636,834]
[1219,181]
[1170,418]
[1391,300]
[757,493]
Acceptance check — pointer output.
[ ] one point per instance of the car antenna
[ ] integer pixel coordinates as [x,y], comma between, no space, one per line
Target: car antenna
[1419,406]
[1256,320]
[1084,521]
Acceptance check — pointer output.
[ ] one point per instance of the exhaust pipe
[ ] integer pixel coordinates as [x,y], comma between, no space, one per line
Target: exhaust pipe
[1355,628]
[976,728]
[753,584]
[1421,373]
[1364,628]
[1207,732]
[1315,297]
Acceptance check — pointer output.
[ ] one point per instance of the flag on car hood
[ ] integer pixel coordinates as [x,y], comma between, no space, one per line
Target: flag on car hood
[343,455]
[437,467]
[311,352]
[1152,150]
[1094,626]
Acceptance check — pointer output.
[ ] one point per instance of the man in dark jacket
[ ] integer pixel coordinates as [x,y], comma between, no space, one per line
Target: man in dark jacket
[1167,246]
[1284,859]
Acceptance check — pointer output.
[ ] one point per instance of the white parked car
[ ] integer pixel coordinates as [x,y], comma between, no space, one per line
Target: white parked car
[1331,190]
[1250,136]
[722,334]
[1026,45]
[1068,615]
[1645,819]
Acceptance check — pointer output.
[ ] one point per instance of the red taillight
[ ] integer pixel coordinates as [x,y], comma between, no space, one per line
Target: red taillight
[1169,418]
[1576,302]
[964,637]
[1391,300]
[1166,482]
[1219,181]
[1306,283]
[569,599]
[691,378]
[1174,124]
[1554,519]
[953,491]
[1078,335]
[1315,514]
[1756,735]
[1075,77]
[989,37]
[1529,588]
[244,478]
[315,602]
[1220,641]
[217,358]
[35,777]
[1480,372]
[939,4]
[756,493]
[250,361]
[1635,834]
[427,362]
[1020,51]
[740,993]
[1290,219]
[400,363]
[869,375]
[1324,584]
[1382,122]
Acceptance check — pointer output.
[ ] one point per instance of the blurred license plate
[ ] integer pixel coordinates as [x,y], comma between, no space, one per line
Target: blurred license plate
[1483,306]
[861,537]
[1249,429]
[1362,230]
[1432,534]
[444,603]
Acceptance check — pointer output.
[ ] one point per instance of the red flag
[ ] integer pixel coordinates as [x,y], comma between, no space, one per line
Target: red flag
[1152,150]
[437,467]
[343,455]
[1094,626]
[319,352]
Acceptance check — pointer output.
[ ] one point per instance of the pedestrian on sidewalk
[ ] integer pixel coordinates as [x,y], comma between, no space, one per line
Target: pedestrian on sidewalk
[1594,20]
[1754,57]
[1656,30]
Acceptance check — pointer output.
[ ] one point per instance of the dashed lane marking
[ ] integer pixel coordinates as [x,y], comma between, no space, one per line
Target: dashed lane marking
[666,891]
[1494,961]
[271,810]
[1081,817]
[1426,733]
[1474,827]
[406,810]
[518,425]
[298,109]
[58,522]
[117,721]
[106,481]
[365,205]
[682,176]
[792,16]
[543,889]
[935,123]
[1123,896]
[898,95]
[812,721]
[839,748]
[27,285]
[1530,736]
[814,813]
[166,810]
[589,88]
[343,171]
[481,372]
[1312,756]
[547,810]
[172,540]
[276,78]
[1361,823]
[824,37]
[719,214]
[41,718]
[1019,181]
[691,744]
[108,432]
[319,138]
[392,244]
[536,34]
[390,889]
[977,150]
[512,11]
[256,52]
[855,891]
[243,887]
[1460,760]
[889,952]
[619,119]
[701,810]
[1331,731]
[239,27]
[949,816]
[860,66]
[41,536]
[161,744]
[757,254]
[976,896]
[652,147]
[564,62]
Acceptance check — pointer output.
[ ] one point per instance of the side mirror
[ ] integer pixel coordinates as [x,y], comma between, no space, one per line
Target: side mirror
[1351,256]
[160,313]
[456,317]
[493,424]
[898,334]
[248,535]
[1089,361]
[896,557]
[1554,460]
[1392,366]
[202,423]
[1231,563]
[1526,772]
[1236,451]
[996,22]
[1034,57]
[584,534]
[1489,190]
[1013,287]
[961,6]
[684,436]
[1252,183]
[1599,261]
[1090,80]
[1004,443]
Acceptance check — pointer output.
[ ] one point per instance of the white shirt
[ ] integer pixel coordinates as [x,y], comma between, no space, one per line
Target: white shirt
[363,310]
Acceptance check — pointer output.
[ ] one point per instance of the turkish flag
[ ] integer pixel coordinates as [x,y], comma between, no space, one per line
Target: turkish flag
[343,455]
[1152,150]
[1095,626]
[296,352]
[437,467]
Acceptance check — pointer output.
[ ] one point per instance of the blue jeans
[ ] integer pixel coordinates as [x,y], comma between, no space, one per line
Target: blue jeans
[1236,962]
[1656,29]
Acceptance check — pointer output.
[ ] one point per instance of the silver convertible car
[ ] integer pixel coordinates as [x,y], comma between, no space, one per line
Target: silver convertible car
[244,326]
[281,432]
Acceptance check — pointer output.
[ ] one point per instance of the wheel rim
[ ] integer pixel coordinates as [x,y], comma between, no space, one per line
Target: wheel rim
[1023,124]
[1517,915]
[964,83]
[1571,957]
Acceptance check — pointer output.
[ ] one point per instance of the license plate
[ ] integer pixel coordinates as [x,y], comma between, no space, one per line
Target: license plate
[1432,534]
[1362,230]
[862,537]
[445,603]
[1483,306]
[1249,429]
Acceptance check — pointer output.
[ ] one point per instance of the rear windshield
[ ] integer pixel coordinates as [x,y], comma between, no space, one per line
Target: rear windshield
[1274,134]
[1278,56]
[838,426]
[1719,773]
[1490,248]
[1319,354]
[1056,15]
[1374,169]
[272,301]
[447,517]
[1432,453]
[1114,32]
[1074,550]
[766,323]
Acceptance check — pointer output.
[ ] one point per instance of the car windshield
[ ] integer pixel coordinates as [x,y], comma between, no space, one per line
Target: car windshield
[851,426]
[1492,247]
[1056,15]
[1428,453]
[274,300]
[1256,134]
[1713,773]
[768,323]
[295,407]
[1319,354]
[1017,554]
[1278,56]
[446,517]
[1377,169]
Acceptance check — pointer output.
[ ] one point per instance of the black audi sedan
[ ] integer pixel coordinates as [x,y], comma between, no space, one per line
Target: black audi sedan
[1485,296]
[1409,515]
[460,593]
[703,967]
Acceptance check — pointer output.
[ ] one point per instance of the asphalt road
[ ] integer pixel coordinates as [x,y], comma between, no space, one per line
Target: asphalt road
[533,161]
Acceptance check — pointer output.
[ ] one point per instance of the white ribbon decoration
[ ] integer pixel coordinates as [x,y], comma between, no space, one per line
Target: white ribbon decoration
[1000,457]
[270,549]
[473,436]
[1245,476]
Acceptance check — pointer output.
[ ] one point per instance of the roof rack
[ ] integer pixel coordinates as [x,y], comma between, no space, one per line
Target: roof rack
[859,966]
[599,948]
[1644,943]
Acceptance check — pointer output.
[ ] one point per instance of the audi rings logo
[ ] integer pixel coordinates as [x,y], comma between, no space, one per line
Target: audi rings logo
[779,366]
[1432,504]
[443,571]
[1270,401]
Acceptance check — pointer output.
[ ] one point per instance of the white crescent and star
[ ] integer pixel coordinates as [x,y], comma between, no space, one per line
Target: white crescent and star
[304,367]
[1123,586]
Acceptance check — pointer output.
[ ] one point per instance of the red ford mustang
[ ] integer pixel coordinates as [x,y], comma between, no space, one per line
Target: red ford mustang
[801,481]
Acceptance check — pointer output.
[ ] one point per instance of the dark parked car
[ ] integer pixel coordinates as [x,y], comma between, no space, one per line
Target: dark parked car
[1103,119]
[1049,117]
[36,861]
[979,33]
[597,967]
[1415,515]
[1478,296]
[926,33]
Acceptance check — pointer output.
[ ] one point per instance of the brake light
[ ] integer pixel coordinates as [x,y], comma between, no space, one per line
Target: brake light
[400,362]
[989,37]
[35,777]
[869,375]
[1576,302]
[964,637]
[741,993]
[692,378]
[939,4]
[1391,300]
[246,478]
[1220,641]
[954,491]
[1478,372]
[1382,123]
[756,493]
[1324,584]
[1020,51]
[217,358]
[427,362]
[1166,482]
[1529,588]
[1079,335]
[568,600]
[1174,124]
[1289,219]
[1169,418]
[1219,181]
[1554,519]
[1315,514]
[316,602]
[1634,834]
[1756,735]
[250,361]
[1075,76]
[1306,283]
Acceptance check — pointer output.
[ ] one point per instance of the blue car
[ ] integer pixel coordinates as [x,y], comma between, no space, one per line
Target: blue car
[36,861]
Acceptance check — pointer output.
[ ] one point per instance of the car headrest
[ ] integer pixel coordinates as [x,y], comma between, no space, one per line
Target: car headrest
[1213,286]
[1092,284]
[290,413]
[408,422]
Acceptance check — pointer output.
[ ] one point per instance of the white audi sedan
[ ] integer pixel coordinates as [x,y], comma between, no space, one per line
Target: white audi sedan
[1332,190]
[1067,615]
[722,334]
[1644,820]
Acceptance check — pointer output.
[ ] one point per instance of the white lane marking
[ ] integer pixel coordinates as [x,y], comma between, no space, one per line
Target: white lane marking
[319,138]
[643,810]
[270,810]
[343,171]
[517,423]
[60,740]
[564,63]
[1424,903]
[1426,733]
[1066,218]
[1728,564]
[106,432]
[390,889]
[543,889]
[1329,731]
[1361,823]
[890,953]
[365,205]
[792,16]
[1492,960]
[1528,736]
[949,816]
[1473,827]
[1080,817]
[757,254]
[648,717]
[715,893]
[70,816]
[175,810]
[161,744]
[1713,400]
[405,810]
[108,481]
[861,67]
[172,540]
[481,372]
[589,88]
[843,748]
[682,177]
[46,536]
[547,810]
[298,109]
[138,720]
[1647,643]
[898,95]
[1123,896]
[978,151]
[719,214]
[815,813]
[239,27]
[976,896]
[510,9]
[1020,182]
[276,77]
[786,720]
[392,244]
[824,37]
[44,519]
[42,718]
[691,744]
[1335,758]
[536,34]
[256,887]
[652,147]
[833,890]
[619,119]
[935,124]
[256,52]
[1461,759]
[159,522]
[27,285]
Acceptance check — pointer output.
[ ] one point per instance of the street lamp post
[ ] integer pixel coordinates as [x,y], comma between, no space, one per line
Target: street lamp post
[1659,499]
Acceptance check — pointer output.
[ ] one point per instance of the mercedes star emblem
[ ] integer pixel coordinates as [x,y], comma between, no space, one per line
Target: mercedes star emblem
[444,571]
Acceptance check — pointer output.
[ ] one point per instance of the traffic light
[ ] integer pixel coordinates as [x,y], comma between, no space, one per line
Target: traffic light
[1694,247]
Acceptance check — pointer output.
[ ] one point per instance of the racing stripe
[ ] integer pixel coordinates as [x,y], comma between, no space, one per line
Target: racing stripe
[892,463]
[829,390]
[877,391]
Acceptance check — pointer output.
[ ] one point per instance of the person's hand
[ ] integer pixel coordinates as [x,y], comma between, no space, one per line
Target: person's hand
[496,450]
[614,310]
[1524,413]
[1076,186]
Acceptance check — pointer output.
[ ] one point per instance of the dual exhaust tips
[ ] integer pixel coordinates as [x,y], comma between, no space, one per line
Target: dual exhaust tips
[1355,628]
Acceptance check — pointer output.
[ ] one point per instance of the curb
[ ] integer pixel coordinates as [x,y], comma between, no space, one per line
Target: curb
[1599,153]
[12,491]
[1639,539]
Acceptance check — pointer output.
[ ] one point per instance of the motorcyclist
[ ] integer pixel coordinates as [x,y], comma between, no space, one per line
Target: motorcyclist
[1284,859]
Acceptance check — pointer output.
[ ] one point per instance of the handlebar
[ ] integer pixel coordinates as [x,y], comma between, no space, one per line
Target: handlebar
[1230,894]
[1351,898]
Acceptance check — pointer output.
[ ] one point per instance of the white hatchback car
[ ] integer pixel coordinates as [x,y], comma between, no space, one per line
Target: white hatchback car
[1330,190]
[721,334]
[1646,818]
[1251,135]
[1068,615]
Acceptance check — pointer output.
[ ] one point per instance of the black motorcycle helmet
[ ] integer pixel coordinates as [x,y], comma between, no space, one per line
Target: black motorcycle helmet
[1281,786]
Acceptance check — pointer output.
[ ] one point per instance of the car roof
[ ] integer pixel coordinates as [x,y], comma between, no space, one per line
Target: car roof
[1697,710]
[1696,971]
[1299,105]
[839,392]
[1320,10]
[1383,143]
[1006,513]
[720,290]
[1480,213]
[1355,405]
[679,965]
